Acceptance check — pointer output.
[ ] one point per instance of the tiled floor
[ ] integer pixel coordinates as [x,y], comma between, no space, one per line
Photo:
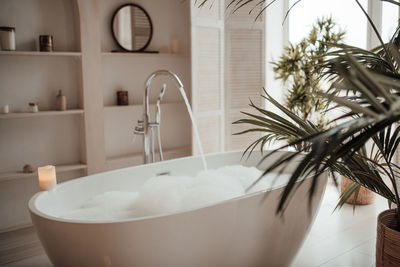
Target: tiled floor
[341,238]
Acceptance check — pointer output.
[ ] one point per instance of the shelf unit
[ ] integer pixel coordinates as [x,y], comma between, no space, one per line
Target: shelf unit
[42,54]
[134,106]
[129,71]
[94,134]
[27,75]
[18,115]
[137,158]
[127,54]
[59,169]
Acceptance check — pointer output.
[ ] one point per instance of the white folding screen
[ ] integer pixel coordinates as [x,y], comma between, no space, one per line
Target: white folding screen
[207,73]
[227,71]
[244,70]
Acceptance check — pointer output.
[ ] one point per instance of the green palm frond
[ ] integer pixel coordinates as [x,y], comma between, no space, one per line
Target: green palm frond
[339,148]
[352,188]
[275,127]
[366,84]
[374,122]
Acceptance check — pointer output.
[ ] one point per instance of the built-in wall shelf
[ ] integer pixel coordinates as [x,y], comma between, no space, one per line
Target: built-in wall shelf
[122,107]
[59,169]
[127,54]
[37,53]
[133,159]
[18,115]
[89,74]
[140,154]
[140,105]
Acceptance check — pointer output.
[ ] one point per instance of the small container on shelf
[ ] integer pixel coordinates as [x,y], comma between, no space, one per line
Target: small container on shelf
[33,107]
[7,38]
[122,98]
[5,109]
[46,43]
[175,46]
[61,101]
[28,168]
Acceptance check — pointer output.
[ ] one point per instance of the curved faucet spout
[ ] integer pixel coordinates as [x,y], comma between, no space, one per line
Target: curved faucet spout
[167,73]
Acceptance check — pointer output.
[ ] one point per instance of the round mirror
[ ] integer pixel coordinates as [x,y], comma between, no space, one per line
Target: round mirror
[132,28]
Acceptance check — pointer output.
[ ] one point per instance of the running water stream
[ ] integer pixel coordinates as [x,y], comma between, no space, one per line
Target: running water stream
[167,194]
[195,129]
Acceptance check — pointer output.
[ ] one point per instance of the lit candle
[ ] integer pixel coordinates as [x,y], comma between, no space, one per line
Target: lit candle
[47,177]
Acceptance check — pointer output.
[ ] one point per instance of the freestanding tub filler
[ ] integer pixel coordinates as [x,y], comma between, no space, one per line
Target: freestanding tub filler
[244,231]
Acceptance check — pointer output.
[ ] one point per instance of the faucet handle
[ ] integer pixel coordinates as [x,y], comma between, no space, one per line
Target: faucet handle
[139,128]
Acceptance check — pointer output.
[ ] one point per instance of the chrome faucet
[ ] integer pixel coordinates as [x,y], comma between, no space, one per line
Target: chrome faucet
[147,128]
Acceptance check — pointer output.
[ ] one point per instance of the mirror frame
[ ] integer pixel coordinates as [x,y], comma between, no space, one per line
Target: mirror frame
[148,17]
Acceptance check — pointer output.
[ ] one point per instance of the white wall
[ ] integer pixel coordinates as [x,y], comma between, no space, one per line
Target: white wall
[37,140]
[41,17]
[170,19]
[60,140]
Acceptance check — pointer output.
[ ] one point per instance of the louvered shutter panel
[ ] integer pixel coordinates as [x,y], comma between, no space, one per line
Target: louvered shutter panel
[244,53]
[207,31]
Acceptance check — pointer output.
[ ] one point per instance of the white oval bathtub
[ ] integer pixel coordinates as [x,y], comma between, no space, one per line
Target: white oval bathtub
[244,231]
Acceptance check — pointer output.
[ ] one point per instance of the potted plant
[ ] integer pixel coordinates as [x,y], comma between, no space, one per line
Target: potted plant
[301,70]
[373,111]
[367,85]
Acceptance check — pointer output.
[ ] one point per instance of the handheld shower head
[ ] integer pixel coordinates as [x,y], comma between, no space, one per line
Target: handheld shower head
[158,108]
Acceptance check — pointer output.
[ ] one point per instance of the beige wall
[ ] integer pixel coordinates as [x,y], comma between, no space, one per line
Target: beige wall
[101,137]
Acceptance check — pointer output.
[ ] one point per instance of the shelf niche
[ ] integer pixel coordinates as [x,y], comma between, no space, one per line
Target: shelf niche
[27,75]
[40,54]
[19,115]
[32,18]
[59,169]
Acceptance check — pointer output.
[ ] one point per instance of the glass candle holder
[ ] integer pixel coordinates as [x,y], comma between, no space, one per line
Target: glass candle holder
[46,43]
[122,98]
[7,38]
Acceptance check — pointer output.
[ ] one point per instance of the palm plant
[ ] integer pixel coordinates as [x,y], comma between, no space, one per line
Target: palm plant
[300,69]
[367,85]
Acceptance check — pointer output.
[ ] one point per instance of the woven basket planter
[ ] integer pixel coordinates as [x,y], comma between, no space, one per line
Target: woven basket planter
[364,197]
[387,240]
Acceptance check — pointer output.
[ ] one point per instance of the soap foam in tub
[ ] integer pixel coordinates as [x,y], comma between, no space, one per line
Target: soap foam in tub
[166,194]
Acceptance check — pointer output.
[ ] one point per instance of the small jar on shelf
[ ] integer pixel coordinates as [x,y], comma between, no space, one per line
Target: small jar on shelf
[122,98]
[4,109]
[61,101]
[7,38]
[33,107]
[46,43]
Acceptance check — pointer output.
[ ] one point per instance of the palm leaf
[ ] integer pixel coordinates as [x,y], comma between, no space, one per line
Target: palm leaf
[372,79]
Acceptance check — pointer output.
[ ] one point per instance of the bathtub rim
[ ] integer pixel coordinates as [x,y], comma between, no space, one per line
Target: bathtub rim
[35,211]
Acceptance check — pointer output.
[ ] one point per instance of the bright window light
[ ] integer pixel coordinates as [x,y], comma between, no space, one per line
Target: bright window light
[347,14]
[390,18]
